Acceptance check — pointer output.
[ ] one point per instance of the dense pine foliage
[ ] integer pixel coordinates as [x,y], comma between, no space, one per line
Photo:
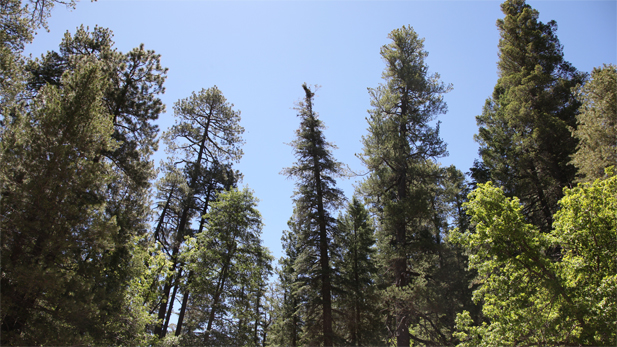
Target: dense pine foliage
[101,247]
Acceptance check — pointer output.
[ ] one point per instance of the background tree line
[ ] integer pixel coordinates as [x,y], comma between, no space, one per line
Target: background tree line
[99,246]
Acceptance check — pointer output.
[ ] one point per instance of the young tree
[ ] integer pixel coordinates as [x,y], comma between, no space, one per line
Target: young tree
[398,152]
[524,136]
[356,266]
[287,324]
[597,124]
[315,196]
[230,266]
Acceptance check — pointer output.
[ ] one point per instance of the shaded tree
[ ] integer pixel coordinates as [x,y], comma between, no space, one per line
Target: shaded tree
[357,301]
[56,232]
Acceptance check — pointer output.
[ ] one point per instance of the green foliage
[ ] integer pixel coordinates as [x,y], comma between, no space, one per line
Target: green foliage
[356,301]
[55,230]
[287,322]
[207,138]
[597,124]
[19,20]
[131,97]
[586,231]
[230,267]
[524,137]
[528,297]
[112,259]
[412,197]
[315,197]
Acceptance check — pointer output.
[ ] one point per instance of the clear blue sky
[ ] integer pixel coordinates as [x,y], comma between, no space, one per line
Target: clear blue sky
[259,54]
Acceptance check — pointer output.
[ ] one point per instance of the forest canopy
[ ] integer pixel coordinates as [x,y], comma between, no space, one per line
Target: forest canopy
[100,245]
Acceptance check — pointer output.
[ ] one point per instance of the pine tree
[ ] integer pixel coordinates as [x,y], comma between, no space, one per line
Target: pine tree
[524,137]
[398,152]
[207,139]
[315,196]
[130,99]
[55,229]
[597,124]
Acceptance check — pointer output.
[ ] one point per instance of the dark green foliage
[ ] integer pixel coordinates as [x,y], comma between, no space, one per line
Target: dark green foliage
[229,267]
[398,152]
[356,300]
[524,137]
[287,322]
[135,80]
[315,197]
[127,101]
[18,22]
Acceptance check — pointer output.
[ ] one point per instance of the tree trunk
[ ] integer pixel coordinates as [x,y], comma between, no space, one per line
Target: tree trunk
[326,285]
[185,299]
[172,301]
[217,295]
[400,263]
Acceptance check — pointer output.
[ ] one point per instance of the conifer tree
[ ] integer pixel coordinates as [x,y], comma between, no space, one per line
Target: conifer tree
[130,98]
[207,139]
[524,137]
[315,197]
[356,269]
[398,152]
[56,232]
[229,267]
[597,124]
[287,324]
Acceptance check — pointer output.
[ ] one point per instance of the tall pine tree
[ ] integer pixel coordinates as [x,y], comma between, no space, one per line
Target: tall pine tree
[398,152]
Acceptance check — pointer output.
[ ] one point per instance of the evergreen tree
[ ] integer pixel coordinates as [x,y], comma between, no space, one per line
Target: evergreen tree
[130,99]
[597,124]
[207,139]
[287,324]
[398,152]
[229,267]
[19,21]
[56,232]
[356,266]
[315,196]
[524,137]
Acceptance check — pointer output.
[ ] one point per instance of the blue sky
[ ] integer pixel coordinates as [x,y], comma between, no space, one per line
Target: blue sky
[260,52]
